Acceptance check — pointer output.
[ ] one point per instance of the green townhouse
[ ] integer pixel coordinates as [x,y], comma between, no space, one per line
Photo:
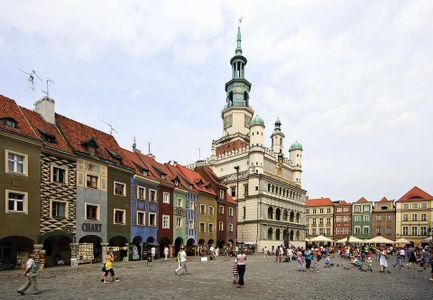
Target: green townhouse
[362,218]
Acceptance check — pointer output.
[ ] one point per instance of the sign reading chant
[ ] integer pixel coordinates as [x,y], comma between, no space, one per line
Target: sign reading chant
[89,227]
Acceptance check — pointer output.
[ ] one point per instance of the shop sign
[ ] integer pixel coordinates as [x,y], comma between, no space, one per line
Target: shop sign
[89,227]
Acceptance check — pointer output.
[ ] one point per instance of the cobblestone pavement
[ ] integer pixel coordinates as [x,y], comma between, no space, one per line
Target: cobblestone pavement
[264,279]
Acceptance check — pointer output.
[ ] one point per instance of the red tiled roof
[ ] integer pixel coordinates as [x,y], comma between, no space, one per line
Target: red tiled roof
[362,200]
[176,174]
[39,126]
[384,200]
[157,169]
[194,177]
[9,109]
[415,194]
[319,202]
[230,199]
[342,203]
[133,161]
[77,134]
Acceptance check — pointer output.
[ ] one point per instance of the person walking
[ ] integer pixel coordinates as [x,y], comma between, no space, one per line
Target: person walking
[277,254]
[290,254]
[165,253]
[307,256]
[178,261]
[241,261]
[299,259]
[383,260]
[153,252]
[183,262]
[398,261]
[31,272]
[108,267]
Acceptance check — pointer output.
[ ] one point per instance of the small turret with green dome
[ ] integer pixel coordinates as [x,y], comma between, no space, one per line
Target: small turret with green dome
[277,130]
[257,121]
[296,146]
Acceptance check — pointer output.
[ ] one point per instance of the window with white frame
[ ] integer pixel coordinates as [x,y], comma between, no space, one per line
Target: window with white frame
[378,218]
[221,226]
[405,206]
[178,202]
[230,227]
[338,209]
[366,230]
[388,217]
[231,211]
[191,205]
[202,209]
[16,163]
[191,224]
[357,208]
[210,227]
[357,229]
[405,230]
[153,195]
[16,202]
[328,231]
[321,210]
[92,181]
[337,230]
[388,230]
[328,221]
[119,216]
[345,230]
[221,194]
[210,210]
[423,217]
[414,217]
[366,218]
[141,217]
[202,227]
[221,209]
[165,221]
[166,197]
[321,221]
[119,188]
[314,210]
[328,210]
[58,209]
[357,218]
[345,218]
[414,205]
[178,222]
[414,230]
[405,217]
[152,219]
[58,174]
[424,205]
[141,193]
[321,231]
[345,209]
[314,231]
[92,212]
[423,230]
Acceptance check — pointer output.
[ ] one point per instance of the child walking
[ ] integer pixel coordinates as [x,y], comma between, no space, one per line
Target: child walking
[369,264]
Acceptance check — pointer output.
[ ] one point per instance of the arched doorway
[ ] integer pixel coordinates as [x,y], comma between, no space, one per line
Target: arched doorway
[201,242]
[177,244]
[164,242]
[277,234]
[210,243]
[150,240]
[220,244]
[137,242]
[118,241]
[190,247]
[57,248]
[270,233]
[97,248]
[11,250]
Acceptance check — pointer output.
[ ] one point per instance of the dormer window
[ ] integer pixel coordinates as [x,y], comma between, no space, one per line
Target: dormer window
[90,146]
[10,122]
[48,137]
[145,172]
[163,176]
[116,157]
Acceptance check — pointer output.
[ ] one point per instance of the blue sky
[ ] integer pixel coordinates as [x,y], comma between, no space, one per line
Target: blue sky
[351,80]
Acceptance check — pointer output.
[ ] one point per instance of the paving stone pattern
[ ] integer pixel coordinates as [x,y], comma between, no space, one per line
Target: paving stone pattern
[264,279]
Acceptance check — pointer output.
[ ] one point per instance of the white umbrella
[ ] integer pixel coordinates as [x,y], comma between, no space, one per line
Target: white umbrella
[402,241]
[427,240]
[350,239]
[320,238]
[379,240]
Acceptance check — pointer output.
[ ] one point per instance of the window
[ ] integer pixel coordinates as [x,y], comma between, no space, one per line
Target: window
[16,202]
[345,218]
[191,224]
[178,222]
[314,231]
[357,230]
[321,221]
[423,217]
[153,195]
[366,229]
[140,218]
[338,218]
[58,209]
[423,230]
[10,122]
[328,210]
[388,217]
[178,202]
[366,208]
[328,231]
[244,212]
[321,210]
[191,205]
[202,227]
[337,230]
[378,217]
[405,206]
[377,230]
[221,209]
[92,212]
[202,209]
[245,189]
[230,227]
[424,205]
[346,209]
[345,230]
[92,181]
[166,197]
[152,219]
[314,210]
[165,222]
[414,217]
[231,211]
[314,221]
[321,231]
[388,230]
[119,216]
[58,174]
[210,227]
[210,210]
[119,189]
[366,218]
[16,163]
[141,193]
[414,205]
[233,190]
[357,218]
[328,221]
[307,211]
[221,194]
[405,230]
[221,226]
[405,217]
[414,230]
[357,208]
[339,209]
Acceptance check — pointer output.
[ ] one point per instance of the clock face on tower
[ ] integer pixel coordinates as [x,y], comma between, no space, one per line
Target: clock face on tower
[247,122]
[228,121]
[238,89]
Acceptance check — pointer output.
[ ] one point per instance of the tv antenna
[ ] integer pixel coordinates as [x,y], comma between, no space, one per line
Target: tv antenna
[31,77]
[111,127]
[47,91]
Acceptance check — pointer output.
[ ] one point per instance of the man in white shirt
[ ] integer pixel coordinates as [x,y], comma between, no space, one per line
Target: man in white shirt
[31,272]
[165,253]
[183,261]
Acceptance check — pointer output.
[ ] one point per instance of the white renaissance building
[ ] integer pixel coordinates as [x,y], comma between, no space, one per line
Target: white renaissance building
[266,182]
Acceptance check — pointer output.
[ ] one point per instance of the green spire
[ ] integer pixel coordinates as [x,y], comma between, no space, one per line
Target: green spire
[238,44]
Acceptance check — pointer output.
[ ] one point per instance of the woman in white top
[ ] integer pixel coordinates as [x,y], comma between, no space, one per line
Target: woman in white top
[383,260]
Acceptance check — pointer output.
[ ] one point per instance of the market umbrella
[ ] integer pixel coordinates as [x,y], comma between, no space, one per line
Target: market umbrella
[379,240]
[350,239]
[402,241]
[427,240]
[321,238]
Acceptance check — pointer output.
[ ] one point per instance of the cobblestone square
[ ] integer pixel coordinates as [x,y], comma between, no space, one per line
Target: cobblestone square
[264,279]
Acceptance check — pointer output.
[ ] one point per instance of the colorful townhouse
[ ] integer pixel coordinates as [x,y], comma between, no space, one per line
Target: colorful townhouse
[20,172]
[361,218]
[320,217]
[414,216]
[342,219]
[57,185]
[383,221]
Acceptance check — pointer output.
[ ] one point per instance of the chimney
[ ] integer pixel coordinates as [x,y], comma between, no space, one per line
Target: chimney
[45,107]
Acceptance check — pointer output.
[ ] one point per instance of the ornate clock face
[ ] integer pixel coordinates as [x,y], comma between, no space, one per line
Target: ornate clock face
[238,89]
